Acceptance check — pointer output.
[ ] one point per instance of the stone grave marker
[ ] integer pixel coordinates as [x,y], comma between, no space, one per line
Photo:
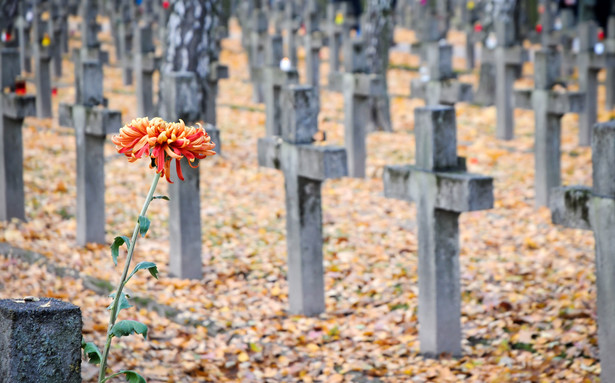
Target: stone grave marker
[338,29]
[13,109]
[357,87]
[126,18]
[442,190]
[92,123]
[40,341]
[291,27]
[313,41]
[145,64]
[275,79]
[549,107]
[610,71]
[440,86]
[182,99]
[90,46]
[257,51]
[305,167]
[509,59]
[589,64]
[594,209]
[42,48]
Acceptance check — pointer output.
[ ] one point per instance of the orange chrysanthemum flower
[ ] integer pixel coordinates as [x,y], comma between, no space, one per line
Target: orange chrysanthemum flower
[163,141]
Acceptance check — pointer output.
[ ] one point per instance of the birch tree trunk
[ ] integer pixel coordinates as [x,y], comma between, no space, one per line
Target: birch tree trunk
[192,42]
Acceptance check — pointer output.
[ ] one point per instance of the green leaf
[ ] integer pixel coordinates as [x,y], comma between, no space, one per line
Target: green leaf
[115,247]
[164,197]
[133,377]
[91,352]
[129,327]
[143,225]
[124,304]
[150,266]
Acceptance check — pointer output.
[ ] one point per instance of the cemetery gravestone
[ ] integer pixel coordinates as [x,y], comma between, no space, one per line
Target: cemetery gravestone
[509,59]
[439,86]
[292,25]
[305,167]
[40,341]
[144,67]
[312,44]
[91,124]
[13,109]
[610,71]
[589,63]
[594,209]
[357,88]
[549,106]
[42,47]
[257,49]
[442,190]
[182,100]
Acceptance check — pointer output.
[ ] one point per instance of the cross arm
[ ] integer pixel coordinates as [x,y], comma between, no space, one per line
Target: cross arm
[516,55]
[523,99]
[314,162]
[568,102]
[599,61]
[570,206]
[362,84]
[452,92]
[18,107]
[98,122]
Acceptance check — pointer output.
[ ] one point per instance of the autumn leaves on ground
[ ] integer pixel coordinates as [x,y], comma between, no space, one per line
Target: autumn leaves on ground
[528,287]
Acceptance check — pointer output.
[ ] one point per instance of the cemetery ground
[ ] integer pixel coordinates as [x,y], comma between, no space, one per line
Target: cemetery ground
[528,287]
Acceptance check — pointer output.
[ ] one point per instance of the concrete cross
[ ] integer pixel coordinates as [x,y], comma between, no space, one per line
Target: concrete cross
[509,59]
[92,124]
[23,31]
[125,20]
[182,99]
[13,109]
[305,167]
[594,209]
[610,71]
[274,80]
[313,41]
[549,107]
[338,30]
[357,88]
[90,46]
[589,64]
[145,64]
[42,47]
[291,25]
[440,86]
[442,190]
[256,56]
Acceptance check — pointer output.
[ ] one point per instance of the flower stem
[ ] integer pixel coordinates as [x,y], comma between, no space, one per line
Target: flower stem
[115,306]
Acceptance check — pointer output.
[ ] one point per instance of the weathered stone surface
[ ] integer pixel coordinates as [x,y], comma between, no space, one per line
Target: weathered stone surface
[40,344]
[570,206]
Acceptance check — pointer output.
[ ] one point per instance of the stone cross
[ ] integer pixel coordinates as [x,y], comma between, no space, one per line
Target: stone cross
[610,71]
[90,46]
[305,167]
[485,93]
[338,29]
[126,18]
[23,31]
[312,44]
[91,123]
[442,190]
[42,47]
[217,72]
[594,209]
[40,341]
[589,64]
[549,107]
[144,66]
[13,109]
[357,88]
[275,79]
[440,86]
[291,27]
[509,59]
[257,50]
[59,33]
[182,101]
